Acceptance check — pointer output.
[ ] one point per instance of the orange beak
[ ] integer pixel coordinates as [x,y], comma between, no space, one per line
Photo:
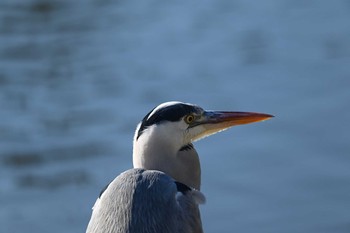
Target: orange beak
[216,121]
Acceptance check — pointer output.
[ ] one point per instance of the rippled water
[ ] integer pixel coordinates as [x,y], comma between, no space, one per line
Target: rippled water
[77,76]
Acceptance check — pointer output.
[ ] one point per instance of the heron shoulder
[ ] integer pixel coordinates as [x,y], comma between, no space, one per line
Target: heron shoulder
[140,200]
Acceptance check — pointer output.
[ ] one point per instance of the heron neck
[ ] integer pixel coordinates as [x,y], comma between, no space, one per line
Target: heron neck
[181,165]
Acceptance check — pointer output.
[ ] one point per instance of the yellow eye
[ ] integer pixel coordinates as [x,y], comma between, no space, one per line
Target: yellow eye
[189,119]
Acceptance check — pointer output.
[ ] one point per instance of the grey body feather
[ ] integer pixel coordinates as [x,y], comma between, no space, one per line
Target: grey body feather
[132,203]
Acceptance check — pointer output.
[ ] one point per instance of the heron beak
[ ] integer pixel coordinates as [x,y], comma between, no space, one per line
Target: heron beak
[216,121]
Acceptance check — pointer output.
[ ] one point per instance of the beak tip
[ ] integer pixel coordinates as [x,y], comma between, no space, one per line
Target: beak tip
[265,117]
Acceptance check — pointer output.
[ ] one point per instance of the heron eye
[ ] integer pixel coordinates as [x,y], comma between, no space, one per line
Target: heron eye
[189,119]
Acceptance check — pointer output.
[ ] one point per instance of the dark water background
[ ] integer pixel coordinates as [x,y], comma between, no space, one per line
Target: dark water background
[77,76]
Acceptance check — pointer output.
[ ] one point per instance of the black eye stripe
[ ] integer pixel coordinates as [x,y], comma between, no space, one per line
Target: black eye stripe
[172,113]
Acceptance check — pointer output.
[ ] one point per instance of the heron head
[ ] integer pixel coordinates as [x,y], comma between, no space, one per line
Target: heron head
[180,124]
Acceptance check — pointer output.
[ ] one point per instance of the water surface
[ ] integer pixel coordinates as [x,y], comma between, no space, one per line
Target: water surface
[77,76]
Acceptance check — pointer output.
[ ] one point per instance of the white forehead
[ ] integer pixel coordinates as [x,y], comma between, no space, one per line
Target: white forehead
[164,105]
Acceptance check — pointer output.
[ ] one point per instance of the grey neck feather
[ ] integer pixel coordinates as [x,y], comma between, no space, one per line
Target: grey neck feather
[182,165]
[189,169]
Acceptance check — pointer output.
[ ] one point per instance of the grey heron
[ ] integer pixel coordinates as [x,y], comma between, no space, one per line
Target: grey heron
[162,192]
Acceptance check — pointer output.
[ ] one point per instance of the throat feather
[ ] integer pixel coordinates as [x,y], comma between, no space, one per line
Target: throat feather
[187,147]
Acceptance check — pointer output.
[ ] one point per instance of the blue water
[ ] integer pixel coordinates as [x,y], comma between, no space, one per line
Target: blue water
[77,76]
